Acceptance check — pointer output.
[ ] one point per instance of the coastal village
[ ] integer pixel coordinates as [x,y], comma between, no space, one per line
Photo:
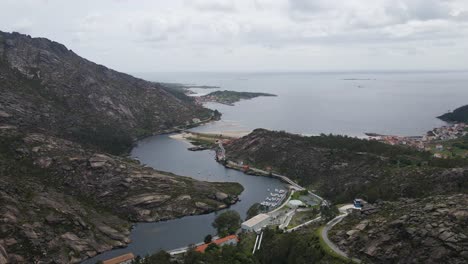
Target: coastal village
[435,141]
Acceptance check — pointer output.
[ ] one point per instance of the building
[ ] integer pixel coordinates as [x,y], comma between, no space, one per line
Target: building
[196,120]
[256,223]
[229,240]
[123,259]
[358,203]
[295,203]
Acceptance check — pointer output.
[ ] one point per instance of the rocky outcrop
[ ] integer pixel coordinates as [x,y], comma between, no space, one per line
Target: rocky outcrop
[429,230]
[64,193]
[341,168]
[62,202]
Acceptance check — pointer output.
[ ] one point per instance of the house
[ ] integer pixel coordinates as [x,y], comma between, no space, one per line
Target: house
[439,147]
[196,120]
[229,240]
[123,259]
[256,223]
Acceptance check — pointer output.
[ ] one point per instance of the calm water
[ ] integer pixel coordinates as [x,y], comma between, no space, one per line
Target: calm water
[171,155]
[313,103]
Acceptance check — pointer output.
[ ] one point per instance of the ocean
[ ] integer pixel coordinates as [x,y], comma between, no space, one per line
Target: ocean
[348,103]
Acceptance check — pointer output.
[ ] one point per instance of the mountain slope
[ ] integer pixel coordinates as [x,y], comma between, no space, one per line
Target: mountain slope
[428,230]
[63,196]
[341,168]
[46,86]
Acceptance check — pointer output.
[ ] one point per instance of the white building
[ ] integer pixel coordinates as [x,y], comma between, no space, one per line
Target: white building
[295,203]
[256,223]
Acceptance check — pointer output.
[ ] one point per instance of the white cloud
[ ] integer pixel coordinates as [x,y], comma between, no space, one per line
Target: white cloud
[251,34]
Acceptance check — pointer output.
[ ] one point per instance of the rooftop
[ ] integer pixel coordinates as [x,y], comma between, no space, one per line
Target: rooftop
[220,241]
[255,220]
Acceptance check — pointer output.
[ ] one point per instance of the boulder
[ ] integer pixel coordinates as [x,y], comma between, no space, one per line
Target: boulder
[148,199]
[220,196]
[444,236]
[4,114]
[43,162]
[99,160]
[3,255]
[202,205]
[352,232]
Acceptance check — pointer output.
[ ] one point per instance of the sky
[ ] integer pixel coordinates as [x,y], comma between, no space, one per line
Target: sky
[251,35]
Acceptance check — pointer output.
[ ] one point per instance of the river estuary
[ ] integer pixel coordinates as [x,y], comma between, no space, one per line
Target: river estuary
[167,154]
[308,103]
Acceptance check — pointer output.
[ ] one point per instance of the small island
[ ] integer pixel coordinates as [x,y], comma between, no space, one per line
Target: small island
[458,115]
[230,97]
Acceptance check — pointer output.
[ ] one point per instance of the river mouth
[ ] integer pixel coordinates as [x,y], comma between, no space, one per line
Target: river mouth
[167,154]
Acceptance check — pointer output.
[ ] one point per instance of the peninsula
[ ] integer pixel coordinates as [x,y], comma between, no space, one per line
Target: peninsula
[458,115]
[230,97]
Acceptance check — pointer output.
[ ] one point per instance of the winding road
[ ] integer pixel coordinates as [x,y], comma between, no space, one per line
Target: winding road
[343,213]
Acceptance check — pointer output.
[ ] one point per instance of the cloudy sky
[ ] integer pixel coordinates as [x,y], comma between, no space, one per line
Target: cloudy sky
[251,35]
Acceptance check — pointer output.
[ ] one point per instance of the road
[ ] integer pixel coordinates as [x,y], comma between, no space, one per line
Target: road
[304,224]
[343,213]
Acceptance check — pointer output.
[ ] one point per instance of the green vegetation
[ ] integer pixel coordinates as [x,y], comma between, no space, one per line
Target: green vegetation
[302,247]
[303,216]
[228,222]
[452,149]
[231,97]
[341,168]
[254,210]
[107,137]
[458,115]
[298,194]
[208,239]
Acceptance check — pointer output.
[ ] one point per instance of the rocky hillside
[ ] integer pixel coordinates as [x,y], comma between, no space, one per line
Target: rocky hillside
[46,86]
[62,202]
[63,196]
[429,230]
[341,168]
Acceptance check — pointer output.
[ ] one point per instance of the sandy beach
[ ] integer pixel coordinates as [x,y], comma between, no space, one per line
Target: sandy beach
[233,134]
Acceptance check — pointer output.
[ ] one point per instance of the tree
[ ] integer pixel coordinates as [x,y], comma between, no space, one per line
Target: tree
[227,222]
[162,257]
[211,247]
[208,239]
[253,210]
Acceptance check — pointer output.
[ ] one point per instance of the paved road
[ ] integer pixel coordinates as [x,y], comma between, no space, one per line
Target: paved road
[330,225]
[304,224]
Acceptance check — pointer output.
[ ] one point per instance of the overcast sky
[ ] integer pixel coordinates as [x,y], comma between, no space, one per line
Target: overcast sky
[251,35]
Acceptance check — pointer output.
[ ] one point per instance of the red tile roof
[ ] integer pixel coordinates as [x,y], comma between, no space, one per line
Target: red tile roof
[220,241]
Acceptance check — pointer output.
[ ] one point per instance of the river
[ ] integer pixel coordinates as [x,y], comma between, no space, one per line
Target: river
[167,154]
